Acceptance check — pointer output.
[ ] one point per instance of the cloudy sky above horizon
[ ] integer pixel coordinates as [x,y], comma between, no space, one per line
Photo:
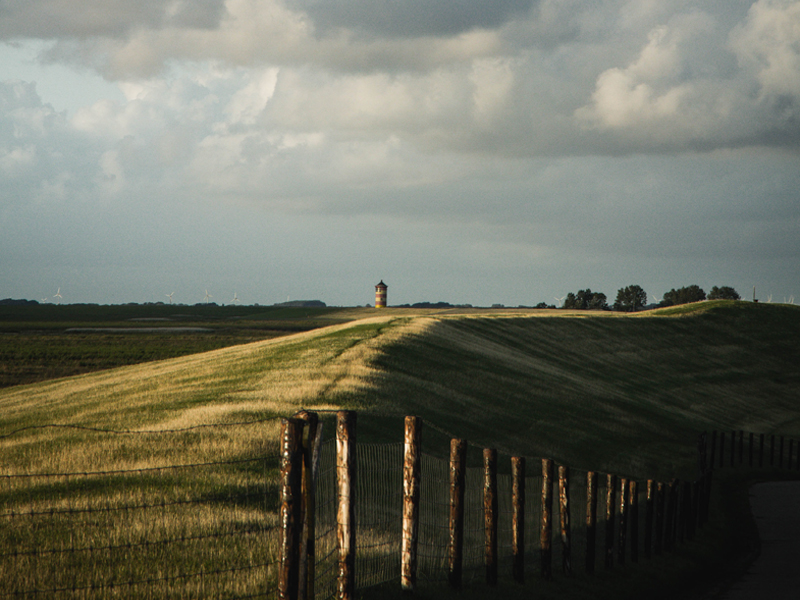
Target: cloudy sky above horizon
[508,151]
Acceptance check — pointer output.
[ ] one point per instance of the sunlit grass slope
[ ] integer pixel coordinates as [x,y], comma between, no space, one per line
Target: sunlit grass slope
[603,391]
[248,384]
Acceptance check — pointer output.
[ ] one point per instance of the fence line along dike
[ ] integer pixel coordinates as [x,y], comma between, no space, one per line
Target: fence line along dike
[464,508]
[327,518]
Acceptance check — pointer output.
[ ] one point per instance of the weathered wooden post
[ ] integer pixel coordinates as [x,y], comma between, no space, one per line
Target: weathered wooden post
[291,516]
[741,446]
[790,455]
[680,512]
[412,465]
[711,462]
[591,520]
[546,529]
[346,511]
[311,448]
[761,450]
[780,454]
[660,505]
[611,505]
[689,504]
[458,459]
[733,448]
[707,485]
[649,508]
[721,449]
[563,512]
[772,450]
[671,516]
[518,518]
[751,449]
[490,513]
[623,520]
[633,512]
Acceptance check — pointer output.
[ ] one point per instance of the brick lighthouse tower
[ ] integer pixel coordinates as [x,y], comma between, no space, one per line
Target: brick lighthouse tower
[380,295]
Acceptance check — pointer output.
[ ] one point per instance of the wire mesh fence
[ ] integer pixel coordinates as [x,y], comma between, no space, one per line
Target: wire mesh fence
[210,529]
[619,536]
[183,531]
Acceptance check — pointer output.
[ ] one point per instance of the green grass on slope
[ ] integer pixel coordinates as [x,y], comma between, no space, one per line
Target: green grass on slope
[259,381]
[627,395]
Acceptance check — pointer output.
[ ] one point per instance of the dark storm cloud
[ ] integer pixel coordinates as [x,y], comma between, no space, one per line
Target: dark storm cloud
[412,18]
[48,19]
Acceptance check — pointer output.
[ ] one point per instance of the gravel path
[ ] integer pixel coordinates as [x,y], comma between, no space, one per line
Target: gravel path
[775,575]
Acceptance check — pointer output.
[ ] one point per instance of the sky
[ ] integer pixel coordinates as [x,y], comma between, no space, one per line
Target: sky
[497,152]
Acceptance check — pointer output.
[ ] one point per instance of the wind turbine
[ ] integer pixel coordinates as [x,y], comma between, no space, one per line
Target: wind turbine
[208,296]
[656,298]
[769,299]
[235,298]
[560,300]
[170,296]
[58,295]
[44,300]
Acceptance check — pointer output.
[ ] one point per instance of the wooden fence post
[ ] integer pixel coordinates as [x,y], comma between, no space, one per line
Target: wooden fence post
[721,449]
[751,449]
[546,529]
[671,516]
[591,520]
[772,450]
[733,448]
[412,465]
[711,462]
[346,512]
[688,503]
[707,495]
[780,454]
[649,513]
[311,448]
[680,512]
[761,450]
[791,454]
[660,505]
[563,512]
[741,447]
[611,505]
[623,520]
[518,518]
[458,459]
[291,517]
[490,513]
[633,511]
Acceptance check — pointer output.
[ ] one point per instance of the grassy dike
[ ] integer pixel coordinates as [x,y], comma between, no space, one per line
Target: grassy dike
[603,391]
[622,394]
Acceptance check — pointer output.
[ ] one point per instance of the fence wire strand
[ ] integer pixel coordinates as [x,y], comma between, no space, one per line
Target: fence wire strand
[203,530]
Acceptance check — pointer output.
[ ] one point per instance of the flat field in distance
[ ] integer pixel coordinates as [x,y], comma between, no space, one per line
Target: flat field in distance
[48,341]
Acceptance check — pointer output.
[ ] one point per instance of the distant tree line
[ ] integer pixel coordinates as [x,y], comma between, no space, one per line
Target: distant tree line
[633,298]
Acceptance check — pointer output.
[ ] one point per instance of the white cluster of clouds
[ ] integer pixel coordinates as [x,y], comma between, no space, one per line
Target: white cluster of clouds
[453,115]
